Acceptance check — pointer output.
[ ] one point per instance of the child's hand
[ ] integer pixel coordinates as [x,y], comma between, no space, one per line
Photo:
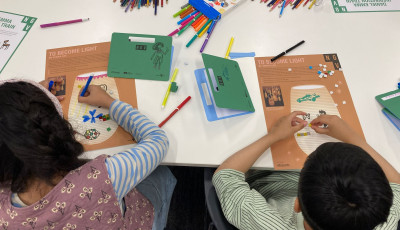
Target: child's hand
[337,128]
[96,96]
[286,126]
[45,84]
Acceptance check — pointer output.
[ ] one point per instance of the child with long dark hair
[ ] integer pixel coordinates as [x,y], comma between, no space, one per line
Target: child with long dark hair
[44,183]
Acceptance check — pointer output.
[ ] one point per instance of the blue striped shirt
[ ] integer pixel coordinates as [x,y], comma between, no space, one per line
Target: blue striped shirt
[128,168]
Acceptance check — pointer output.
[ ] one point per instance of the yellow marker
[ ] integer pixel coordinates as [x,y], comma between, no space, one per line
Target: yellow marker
[312,4]
[229,48]
[169,88]
[205,30]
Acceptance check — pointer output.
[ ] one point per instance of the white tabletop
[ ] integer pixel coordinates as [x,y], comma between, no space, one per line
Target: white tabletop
[367,45]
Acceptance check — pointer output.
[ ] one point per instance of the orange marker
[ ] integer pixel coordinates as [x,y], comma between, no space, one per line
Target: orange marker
[186,12]
[200,24]
[195,23]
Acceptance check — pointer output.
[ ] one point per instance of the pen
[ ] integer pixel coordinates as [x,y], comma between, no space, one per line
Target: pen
[287,51]
[169,88]
[86,86]
[175,111]
[63,23]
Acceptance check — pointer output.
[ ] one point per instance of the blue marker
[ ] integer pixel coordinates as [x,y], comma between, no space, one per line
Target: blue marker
[398,85]
[51,83]
[183,19]
[86,86]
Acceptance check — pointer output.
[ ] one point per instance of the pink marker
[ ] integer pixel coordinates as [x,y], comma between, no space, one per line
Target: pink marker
[63,23]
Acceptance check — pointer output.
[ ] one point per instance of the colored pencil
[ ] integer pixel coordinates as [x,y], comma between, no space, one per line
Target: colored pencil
[306,3]
[175,111]
[63,23]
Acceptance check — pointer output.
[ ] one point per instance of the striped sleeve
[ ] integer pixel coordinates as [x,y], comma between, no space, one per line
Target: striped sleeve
[243,207]
[394,215]
[128,168]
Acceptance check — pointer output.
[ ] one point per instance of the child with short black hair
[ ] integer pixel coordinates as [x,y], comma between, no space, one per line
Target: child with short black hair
[345,185]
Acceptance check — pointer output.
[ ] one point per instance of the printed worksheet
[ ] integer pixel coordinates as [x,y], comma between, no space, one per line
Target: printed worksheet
[313,84]
[13,29]
[74,65]
[352,6]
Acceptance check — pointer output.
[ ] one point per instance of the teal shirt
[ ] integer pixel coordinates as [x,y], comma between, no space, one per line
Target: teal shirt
[266,200]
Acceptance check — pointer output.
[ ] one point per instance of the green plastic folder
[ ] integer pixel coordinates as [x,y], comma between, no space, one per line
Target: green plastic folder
[140,56]
[227,84]
[391,101]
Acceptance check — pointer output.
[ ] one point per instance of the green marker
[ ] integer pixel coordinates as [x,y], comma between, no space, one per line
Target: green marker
[189,24]
[198,33]
[179,12]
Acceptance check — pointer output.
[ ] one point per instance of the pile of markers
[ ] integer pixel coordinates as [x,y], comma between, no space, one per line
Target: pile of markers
[294,4]
[130,4]
[191,17]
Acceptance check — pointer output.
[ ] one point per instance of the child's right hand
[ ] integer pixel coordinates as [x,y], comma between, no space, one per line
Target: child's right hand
[96,96]
[337,128]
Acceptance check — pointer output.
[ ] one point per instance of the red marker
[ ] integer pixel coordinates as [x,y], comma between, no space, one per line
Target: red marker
[175,111]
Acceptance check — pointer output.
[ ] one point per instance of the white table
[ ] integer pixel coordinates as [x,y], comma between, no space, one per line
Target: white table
[367,45]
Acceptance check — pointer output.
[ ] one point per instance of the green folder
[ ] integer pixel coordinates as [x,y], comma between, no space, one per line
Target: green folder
[391,101]
[227,84]
[140,56]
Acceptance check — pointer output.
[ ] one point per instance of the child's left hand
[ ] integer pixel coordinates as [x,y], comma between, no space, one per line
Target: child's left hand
[286,126]
[45,84]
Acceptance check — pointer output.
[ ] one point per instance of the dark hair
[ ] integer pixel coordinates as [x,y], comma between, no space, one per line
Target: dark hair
[35,141]
[342,187]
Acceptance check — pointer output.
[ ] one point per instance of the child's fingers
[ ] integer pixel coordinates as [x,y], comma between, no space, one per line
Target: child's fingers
[298,127]
[296,113]
[320,130]
[60,98]
[297,120]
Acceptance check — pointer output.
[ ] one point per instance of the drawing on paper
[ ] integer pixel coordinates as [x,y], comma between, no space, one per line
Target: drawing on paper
[308,97]
[158,54]
[308,140]
[92,123]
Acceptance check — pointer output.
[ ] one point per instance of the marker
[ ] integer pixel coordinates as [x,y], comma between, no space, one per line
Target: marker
[179,12]
[205,30]
[287,51]
[283,7]
[175,111]
[51,83]
[312,4]
[229,48]
[169,88]
[86,86]
[199,33]
[63,23]
[190,23]
[208,37]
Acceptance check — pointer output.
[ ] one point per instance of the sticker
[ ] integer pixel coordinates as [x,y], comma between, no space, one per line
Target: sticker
[308,97]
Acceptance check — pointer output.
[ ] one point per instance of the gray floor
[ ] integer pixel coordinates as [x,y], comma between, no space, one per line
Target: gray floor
[188,210]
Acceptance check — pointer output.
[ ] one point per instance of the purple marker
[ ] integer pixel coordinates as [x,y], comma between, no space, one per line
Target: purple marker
[63,23]
[208,37]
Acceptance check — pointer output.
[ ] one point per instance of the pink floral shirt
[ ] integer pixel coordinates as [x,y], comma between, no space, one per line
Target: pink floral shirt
[84,199]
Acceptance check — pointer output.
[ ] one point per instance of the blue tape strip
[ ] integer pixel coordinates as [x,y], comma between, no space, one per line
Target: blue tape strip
[241,55]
